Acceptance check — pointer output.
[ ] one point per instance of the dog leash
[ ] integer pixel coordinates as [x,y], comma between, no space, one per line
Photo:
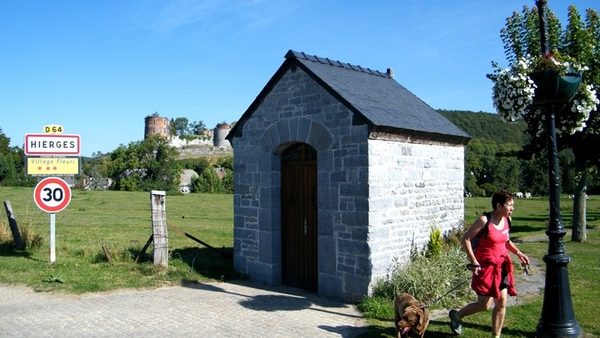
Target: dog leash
[526,271]
[445,294]
[469,267]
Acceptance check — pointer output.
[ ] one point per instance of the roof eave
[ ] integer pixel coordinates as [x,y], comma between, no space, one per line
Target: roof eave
[414,136]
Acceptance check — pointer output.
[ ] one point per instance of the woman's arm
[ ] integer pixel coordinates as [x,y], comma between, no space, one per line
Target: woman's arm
[466,242]
[510,246]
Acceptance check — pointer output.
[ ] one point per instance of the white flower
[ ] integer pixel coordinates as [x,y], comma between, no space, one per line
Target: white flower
[514,90]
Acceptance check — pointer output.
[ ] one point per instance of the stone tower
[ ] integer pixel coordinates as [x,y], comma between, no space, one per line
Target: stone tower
[156,125]
[221,132]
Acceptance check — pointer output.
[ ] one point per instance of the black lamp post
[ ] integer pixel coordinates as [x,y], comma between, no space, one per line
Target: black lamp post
[558,318]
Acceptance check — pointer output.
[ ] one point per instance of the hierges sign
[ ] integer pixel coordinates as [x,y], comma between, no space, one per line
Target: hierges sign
[52,144]
[52,153]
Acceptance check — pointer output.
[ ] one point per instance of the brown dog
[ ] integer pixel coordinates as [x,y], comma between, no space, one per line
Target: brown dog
[411,316]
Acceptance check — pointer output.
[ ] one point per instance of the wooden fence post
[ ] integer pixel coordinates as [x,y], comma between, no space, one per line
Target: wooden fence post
[12,221]
[159,228]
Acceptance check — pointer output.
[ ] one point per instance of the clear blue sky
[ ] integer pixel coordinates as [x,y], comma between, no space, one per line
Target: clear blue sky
[98,68]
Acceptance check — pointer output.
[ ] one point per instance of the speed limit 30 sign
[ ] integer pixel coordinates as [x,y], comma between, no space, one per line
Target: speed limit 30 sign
[52,194]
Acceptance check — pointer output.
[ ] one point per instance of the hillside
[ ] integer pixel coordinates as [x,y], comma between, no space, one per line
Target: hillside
[488,126]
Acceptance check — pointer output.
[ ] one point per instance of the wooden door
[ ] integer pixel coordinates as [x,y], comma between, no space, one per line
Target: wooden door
[299,228]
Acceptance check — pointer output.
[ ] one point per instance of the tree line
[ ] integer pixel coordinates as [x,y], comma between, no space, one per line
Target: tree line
[493,161]
[151,164]
[494,158]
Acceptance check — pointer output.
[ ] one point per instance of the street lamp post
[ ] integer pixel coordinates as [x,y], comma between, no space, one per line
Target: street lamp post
[558,318]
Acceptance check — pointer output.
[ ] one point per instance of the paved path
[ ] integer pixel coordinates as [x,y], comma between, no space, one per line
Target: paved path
[200,310]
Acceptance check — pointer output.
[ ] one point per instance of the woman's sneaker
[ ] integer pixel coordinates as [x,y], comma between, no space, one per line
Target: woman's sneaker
[455,323]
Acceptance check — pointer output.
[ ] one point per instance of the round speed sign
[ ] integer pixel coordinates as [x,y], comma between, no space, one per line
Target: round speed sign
[52,194]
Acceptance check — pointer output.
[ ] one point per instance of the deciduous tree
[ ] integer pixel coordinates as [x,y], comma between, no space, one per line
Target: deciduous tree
[147,165]
[579,40]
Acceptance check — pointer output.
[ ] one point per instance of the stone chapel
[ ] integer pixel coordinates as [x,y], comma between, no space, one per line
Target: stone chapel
[339,172]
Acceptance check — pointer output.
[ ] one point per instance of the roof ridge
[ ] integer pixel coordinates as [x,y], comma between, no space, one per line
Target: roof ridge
[326,61]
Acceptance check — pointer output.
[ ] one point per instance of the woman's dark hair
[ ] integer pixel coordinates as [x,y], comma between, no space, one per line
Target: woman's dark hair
[501,197]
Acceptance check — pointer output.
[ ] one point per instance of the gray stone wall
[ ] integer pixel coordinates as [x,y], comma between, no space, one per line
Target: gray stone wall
[365,220]
[412,188]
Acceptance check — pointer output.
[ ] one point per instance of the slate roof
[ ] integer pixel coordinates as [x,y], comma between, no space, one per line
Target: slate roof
[384,103]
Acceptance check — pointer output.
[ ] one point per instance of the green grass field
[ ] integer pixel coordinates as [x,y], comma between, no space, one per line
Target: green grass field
[121,221]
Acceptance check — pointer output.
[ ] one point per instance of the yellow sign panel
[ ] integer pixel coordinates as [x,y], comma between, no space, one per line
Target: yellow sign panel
[53,129]
[52,166]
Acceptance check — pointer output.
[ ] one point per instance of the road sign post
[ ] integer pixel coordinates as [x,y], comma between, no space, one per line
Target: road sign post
[52,238]
[52,195]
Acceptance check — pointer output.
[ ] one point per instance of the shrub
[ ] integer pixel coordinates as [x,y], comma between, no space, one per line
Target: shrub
[434,247]
[31,240]
[429,277]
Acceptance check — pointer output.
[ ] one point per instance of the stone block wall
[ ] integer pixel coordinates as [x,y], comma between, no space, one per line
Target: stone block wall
[412,188]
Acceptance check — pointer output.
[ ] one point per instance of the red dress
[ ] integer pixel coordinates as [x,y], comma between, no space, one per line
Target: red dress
[492,255]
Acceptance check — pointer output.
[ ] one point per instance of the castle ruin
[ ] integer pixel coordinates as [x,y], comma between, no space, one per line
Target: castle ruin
[157,125]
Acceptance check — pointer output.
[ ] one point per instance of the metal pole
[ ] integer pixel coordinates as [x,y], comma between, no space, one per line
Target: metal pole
[558,317]
[52,237]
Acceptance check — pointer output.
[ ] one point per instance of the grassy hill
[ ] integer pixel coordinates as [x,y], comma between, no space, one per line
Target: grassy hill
[488,126]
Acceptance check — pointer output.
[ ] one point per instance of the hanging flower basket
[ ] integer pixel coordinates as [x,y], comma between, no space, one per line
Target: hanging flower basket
[530,82]
[555,88]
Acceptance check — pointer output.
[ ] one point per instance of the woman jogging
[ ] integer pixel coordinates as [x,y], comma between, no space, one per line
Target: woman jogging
[491,265]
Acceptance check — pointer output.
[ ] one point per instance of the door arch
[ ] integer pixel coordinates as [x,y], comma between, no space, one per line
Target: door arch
[299,214]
